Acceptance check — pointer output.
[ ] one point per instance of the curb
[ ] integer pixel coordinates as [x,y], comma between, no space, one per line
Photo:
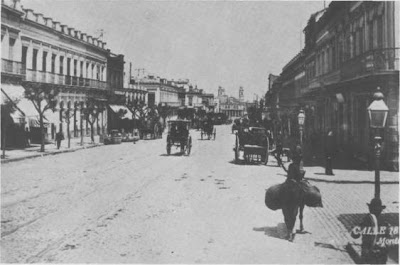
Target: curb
[354,253]
[5,161]
[352,181]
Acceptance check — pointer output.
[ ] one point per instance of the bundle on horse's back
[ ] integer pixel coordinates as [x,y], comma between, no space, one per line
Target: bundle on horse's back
[273,197]
[276,195]
[312,195]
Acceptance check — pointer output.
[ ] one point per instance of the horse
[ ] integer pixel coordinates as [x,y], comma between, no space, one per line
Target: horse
[292,199]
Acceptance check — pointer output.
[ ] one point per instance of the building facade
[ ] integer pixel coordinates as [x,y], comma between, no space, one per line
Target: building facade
[351,48]
[162,91]
[38,51]
[230,106]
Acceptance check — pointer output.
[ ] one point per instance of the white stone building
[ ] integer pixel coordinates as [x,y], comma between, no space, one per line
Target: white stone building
[39,51]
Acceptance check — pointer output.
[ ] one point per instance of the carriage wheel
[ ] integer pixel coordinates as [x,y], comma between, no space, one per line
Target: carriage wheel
[215,133]
[237,150]
[201,135]
[188,146]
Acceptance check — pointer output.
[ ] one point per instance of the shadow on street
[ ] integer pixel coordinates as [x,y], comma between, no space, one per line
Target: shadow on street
[278,231]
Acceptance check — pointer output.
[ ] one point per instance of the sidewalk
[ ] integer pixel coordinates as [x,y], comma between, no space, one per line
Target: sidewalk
[347,176]
[50,149]
[345,196]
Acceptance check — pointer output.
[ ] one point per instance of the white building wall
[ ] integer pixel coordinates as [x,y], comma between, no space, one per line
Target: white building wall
[47,40]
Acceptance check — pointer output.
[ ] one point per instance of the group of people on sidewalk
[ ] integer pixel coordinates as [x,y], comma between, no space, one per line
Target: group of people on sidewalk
[329,151]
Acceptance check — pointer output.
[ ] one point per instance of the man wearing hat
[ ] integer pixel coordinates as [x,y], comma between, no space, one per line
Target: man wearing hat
[371,251]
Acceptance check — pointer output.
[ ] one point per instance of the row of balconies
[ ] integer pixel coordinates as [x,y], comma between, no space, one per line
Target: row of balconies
[17,68]
[368,63]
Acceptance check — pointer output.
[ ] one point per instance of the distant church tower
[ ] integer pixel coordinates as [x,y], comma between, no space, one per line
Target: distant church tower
[221,91]
[241,94]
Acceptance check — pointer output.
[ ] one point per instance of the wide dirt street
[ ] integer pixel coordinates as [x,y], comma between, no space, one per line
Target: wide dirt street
[133,204]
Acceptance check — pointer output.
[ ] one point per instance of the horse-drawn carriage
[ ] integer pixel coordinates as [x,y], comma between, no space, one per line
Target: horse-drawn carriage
[252,144]
[147,121]
[178,135]
[207,129]
[151,128]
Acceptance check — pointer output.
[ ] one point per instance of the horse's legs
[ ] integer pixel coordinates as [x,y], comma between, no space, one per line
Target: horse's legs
[290,214]
[301,216]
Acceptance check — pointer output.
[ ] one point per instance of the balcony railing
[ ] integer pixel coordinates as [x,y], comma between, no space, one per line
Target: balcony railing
[12,67]
[371,62]
[52,78]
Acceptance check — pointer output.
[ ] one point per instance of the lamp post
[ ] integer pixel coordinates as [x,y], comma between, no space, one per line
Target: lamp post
[301,117]
[377,112]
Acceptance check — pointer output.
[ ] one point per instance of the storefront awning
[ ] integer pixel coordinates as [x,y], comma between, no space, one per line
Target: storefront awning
[25,110]
[121,110]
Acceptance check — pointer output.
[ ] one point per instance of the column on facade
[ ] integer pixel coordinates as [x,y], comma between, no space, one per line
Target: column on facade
[104,72]
[83,70]
[91,70]
[65,63]
[5,45]
[48,60]
[78,66]
[72,67]
[17,53]
[57,62]
[88,67]
[95,71]
[39,58]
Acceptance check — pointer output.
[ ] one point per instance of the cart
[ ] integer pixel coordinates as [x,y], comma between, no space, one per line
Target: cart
[178,136]
[252,145]
[207,129]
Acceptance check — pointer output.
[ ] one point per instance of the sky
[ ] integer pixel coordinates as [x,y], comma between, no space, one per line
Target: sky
[211,43]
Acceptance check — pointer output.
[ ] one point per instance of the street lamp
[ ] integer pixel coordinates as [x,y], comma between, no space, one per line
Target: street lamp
[301,117]
[377,113]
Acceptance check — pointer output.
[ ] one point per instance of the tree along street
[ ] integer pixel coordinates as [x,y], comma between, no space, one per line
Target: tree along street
[134,204]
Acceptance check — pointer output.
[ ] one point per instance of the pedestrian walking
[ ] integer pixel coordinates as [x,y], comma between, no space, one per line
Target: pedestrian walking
[27,138]
[277,153]
[373,251]
[59,138]
[329,152]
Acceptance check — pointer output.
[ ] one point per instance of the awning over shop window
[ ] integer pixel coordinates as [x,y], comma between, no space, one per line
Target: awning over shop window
[122,111]
[24,108]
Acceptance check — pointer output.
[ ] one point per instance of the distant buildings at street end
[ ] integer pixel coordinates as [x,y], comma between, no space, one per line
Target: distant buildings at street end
[174,93]
[231,106]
